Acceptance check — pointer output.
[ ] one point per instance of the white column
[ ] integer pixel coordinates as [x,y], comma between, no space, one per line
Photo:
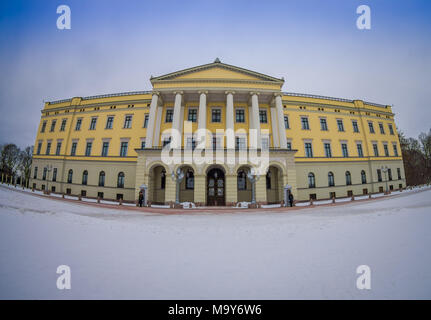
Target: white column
[151,120]
[176,122]
[280,116]
[274,123]
[256,120]
[230,133]
[202,119]
[156,139]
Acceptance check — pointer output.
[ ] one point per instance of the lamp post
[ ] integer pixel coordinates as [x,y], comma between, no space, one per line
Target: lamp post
[178,177]
[385,170]
[253,177]
[48,169]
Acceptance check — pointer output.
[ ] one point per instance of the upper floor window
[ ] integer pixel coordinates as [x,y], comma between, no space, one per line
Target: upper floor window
[102,179]
[191,143]
[63,125]
[39,148]
[105,148]
[265,143]
[399,173]
[69,176]
[42,130]
[78,124]
[286,122]
[304,123]
[390,174]
[93,123]
[85,177]
[240,143]
[193,115]
[395,150]
[109,122]
[45,169]
[54,174]
[363,177]
[73,150]
[323,124]
[360,152]
[371,127]
[216,115]
[376,149]
[88,149]
[379,175]
[331,181]
[348,178]
[262,116]
[58,150]
[240,115]
[123,149]
[355,126]
[340,125]
[385,148]
[382,130]
[120,180]
[147,117]
[328,152]
[308,150]
[128,121]
[289,145]
[311,180]
[169,115]
[167,141]
[53,123]
[35,173]
[143,144]
[48,148]
[391,129]
[344,150]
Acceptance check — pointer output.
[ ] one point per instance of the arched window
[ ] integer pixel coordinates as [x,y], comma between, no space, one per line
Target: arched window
[85,177]
[331,181]
[241,180]
[311,180]
[268,179]
[348,178]
[70,176]
[363,177]
[163,179]
[120,180]
[190,180]
[102,179]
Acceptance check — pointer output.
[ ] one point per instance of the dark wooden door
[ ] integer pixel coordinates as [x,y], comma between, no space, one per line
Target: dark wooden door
[215,188]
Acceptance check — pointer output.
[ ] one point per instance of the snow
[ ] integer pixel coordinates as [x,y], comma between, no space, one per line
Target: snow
[307,253]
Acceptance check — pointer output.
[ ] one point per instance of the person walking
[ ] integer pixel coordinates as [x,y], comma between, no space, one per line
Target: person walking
[290,199]
[141,198]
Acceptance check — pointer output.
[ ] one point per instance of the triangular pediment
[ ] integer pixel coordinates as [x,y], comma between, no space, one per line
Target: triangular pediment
[216,71]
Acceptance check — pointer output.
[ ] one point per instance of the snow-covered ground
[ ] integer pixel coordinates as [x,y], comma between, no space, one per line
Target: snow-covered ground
[306,253]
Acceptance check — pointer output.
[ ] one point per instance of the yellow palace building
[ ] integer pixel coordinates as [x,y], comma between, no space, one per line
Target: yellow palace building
[112,146]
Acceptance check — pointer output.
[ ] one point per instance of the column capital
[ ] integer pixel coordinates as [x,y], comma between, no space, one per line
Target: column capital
[278,94]
[252,93]
[229,91]
[178,92]
[155,93]
[203,92]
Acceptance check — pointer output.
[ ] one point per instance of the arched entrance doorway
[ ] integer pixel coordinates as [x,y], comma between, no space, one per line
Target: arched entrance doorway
[157,185]
[274,187]
[216,187]
[243,185]
[187,185]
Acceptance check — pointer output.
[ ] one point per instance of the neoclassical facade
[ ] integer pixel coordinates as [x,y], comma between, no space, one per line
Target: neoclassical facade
[216,134]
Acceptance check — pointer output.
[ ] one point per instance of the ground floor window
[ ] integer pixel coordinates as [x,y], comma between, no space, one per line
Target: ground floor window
[83,193]
[119,196]
[100,195]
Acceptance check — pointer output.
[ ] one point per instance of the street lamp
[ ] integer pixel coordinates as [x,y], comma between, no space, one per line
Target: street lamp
[385,170]
[48,169]
[253,177]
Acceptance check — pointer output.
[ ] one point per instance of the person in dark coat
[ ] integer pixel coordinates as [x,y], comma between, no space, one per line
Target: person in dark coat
[141,198]
[290,199]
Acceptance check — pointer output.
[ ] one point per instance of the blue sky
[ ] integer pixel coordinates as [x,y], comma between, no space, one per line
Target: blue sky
[116,46]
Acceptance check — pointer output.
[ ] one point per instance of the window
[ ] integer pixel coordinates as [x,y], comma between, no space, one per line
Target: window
[39,147]
[143,144]
[360,152]
[53,123]
[58,149]
[83,193]
[240,143]
[286,122]
[169,115]
[391,129]
[44,173]
[54,174]
[123,149]
[48,148]
[240,115]
[42,130]
[241,180]
[191,143]
[127,121]
[304,123]
[262,116]
[119,196]
[265,143]
[88,149]
[355,126]
[268,180]
[390,174]
[399,173]
[382,130]
[331,181]
[379,175]
[100,195]
[102,179]
[73,150]
[85,177]
[323,124]
[35,173]
[216,143]
[395,150]
[363,177]
[370,125]
[308,150]
[190,180]
[348,178]
[78,124]
[289,146]
[344,150]
[69,176]
[166,141]
[311,180]
[105,148]
[147,117]
[63,125]
[385,148]
[109,122]
[340,125]
[120,180]
[163,179]
[216,115]
[193,115]
[328,152]
[93,123]
[376,149]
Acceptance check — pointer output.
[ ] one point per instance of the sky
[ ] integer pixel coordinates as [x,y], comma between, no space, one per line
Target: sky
[116,46]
